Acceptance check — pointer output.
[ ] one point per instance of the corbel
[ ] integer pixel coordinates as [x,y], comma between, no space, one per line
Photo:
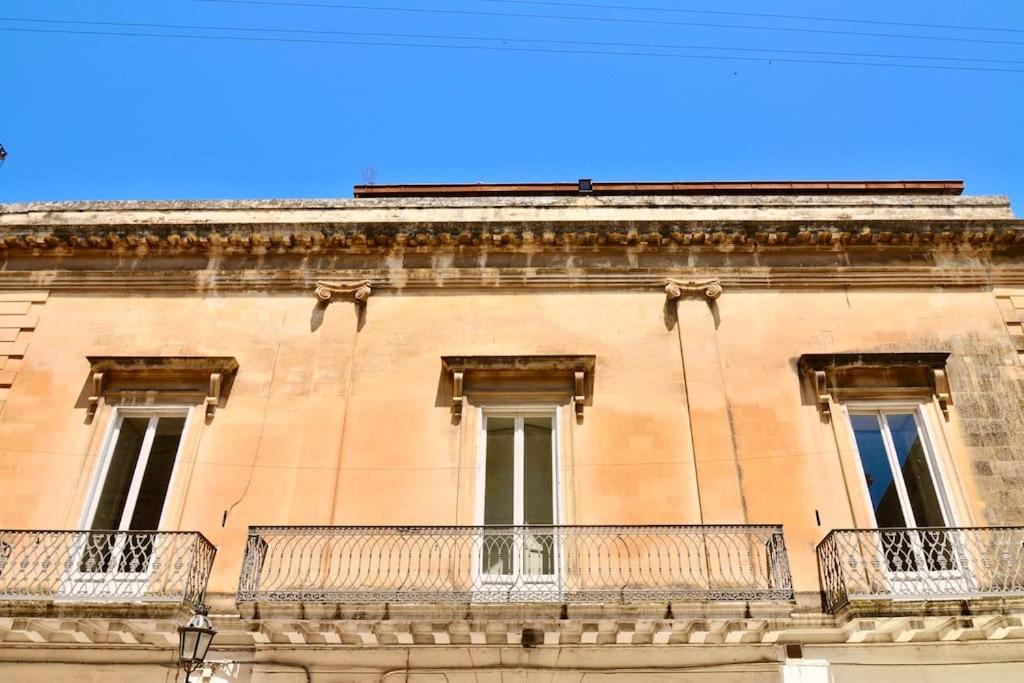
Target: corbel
[580,392]
[710,289]
[457,396]
[212,400]
[360,291]
[942,392]
[821,392]
[97,392]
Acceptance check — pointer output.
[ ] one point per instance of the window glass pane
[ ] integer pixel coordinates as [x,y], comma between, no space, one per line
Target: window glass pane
[499,489]
[500,474]
[153,491]
[539,506]
[877,471]
[114,492]
[924,499]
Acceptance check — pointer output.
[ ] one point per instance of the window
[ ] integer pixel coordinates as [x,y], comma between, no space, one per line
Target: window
[903,486]
[519,488]
[132,489]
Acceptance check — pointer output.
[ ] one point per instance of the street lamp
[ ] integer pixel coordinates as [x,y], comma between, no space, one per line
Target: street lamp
[3,155]
[194,640]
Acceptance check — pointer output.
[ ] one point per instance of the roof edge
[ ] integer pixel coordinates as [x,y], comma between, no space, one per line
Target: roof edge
[587,187]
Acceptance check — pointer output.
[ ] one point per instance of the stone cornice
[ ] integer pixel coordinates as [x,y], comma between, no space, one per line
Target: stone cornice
[50,210]
[382,282]
[430,236]
[77,631]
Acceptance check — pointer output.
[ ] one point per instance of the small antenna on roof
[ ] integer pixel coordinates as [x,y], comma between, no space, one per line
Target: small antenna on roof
[370,175]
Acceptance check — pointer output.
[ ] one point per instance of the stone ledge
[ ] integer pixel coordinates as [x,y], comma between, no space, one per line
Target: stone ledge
[874,200]
[234,632]
[383,283]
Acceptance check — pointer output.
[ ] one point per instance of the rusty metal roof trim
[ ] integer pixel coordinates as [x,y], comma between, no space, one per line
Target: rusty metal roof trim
[796,187]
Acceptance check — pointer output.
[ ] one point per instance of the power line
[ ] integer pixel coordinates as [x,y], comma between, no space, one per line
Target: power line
[613,20]
[265,39]
[434,36]
[800,17]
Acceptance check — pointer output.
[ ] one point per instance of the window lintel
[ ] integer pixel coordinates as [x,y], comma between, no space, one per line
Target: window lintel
[846,376]
[209,375]
[574,373]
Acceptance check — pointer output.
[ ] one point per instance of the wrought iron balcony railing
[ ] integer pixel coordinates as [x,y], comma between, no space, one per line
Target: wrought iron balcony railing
[105,566]
[515,564]
[931,563]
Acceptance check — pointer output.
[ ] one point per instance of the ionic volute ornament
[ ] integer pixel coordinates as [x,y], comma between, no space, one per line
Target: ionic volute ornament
[710,289]
[327,291]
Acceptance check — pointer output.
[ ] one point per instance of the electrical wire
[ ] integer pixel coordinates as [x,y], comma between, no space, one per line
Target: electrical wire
[506,39]
[613,20]
[315,41]
[760,15]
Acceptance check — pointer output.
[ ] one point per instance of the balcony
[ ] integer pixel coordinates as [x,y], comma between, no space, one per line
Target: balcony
[105,566]
[921,564]
[514,564]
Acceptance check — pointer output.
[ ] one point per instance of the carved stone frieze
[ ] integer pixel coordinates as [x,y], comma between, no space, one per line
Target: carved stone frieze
[329,237]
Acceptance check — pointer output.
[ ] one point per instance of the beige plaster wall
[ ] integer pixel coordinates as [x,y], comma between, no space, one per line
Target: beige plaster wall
[337,418]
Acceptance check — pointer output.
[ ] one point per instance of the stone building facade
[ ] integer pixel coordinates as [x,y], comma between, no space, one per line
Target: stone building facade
[566,432]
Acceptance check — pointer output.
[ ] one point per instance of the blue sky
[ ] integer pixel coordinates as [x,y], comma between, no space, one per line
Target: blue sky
[117,117]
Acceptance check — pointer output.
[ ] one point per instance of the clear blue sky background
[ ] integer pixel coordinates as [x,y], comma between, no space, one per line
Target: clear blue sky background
[114,117]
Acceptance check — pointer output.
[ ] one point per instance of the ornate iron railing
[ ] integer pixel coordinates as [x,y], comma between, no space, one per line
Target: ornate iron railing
[931,563]
[108,566]
[515,564]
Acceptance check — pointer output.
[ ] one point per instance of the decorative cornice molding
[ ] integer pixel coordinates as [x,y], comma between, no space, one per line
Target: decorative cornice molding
[360,291]
[710,289]
[242,281]
[346,637]
[305,238]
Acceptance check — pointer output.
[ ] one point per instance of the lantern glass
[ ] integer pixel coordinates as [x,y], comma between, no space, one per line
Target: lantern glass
[194,640]
[189,639]
[203,644]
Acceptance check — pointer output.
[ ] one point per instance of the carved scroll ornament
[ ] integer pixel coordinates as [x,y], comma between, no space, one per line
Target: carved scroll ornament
[327,291]
[711,289]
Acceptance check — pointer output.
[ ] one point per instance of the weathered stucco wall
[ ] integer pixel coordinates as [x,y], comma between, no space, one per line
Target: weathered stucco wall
[340,417]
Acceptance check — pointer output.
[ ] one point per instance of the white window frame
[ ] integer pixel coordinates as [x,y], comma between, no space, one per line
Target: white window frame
[935,470]
[518,501]
[916,408]
[113,581]
[107,453]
